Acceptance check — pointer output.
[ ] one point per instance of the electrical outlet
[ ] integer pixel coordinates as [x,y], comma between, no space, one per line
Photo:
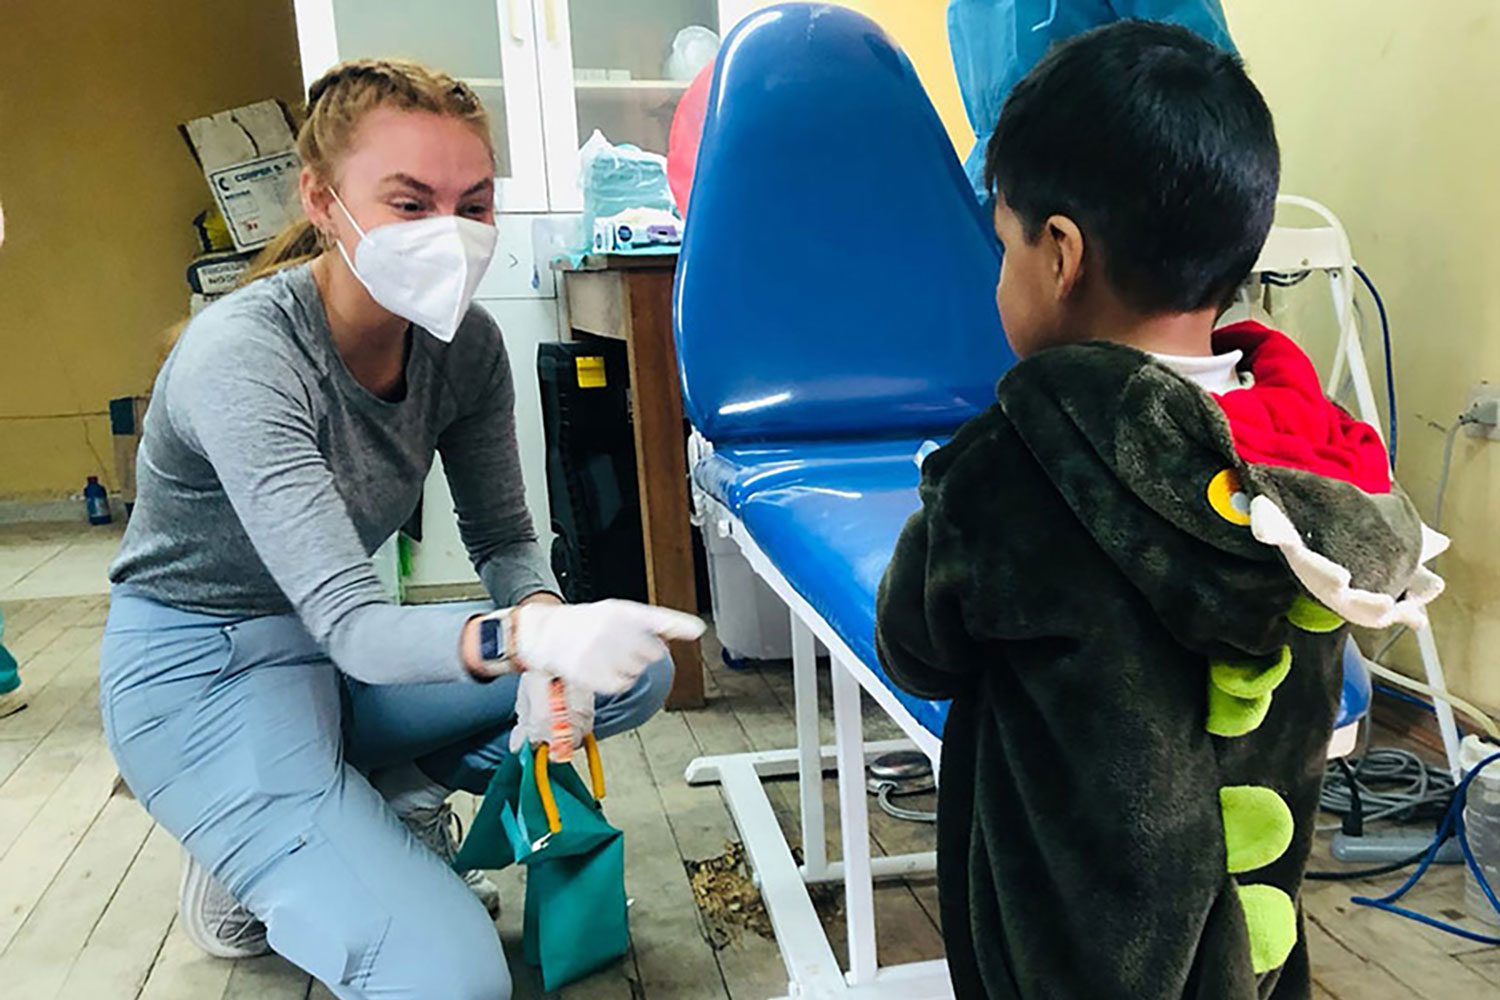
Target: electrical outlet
[1483,410]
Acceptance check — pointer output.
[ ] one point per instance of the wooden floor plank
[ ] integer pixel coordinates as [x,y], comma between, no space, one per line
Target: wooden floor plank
[30,625]
[268,978]
[72,674]
[673,958]
[1485,964]
[702,826]
[42,949]
[37,779]
[700,821]
[128,938]
[58,615]
[1405,951]
[183,972]
[78,566]
[39,853]
[12,754]
[1345,974]
[20,616]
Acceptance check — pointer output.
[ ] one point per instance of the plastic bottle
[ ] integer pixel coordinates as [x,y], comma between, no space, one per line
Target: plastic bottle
[1482,824]
[96,499]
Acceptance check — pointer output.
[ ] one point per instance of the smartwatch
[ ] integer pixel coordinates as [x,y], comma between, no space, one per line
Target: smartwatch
[494,640]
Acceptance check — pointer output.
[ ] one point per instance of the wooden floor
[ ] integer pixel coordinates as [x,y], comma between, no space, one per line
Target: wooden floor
[88,884]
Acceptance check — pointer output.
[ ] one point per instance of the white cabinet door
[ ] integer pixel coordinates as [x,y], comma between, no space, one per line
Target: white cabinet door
[490,44]
[732,12]
[440,558]
[526,324]
[519,269]
[604,64]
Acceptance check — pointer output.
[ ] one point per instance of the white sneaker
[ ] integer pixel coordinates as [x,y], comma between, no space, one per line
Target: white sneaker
[213,919]
[441,831]
[11,702]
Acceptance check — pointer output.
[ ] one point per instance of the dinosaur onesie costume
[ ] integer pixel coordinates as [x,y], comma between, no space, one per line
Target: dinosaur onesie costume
[1136,595]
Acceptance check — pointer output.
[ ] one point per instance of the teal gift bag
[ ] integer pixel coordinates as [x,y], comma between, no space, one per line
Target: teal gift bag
[544,817]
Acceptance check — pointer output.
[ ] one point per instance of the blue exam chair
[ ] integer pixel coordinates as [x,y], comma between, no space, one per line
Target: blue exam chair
[834,312]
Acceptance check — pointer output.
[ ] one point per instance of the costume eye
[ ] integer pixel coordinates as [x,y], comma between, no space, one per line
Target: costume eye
[1228,497]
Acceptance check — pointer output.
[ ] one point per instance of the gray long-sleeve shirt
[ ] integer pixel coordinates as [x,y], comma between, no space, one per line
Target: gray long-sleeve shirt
[267,476]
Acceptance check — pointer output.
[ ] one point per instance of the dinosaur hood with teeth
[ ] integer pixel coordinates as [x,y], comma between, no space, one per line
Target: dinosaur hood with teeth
[1136,595]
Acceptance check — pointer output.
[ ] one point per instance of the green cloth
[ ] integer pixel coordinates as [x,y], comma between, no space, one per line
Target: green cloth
[1071,587]
[576,918]
[10,671]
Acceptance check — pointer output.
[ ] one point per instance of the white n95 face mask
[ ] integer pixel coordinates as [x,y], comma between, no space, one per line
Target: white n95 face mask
[424,271]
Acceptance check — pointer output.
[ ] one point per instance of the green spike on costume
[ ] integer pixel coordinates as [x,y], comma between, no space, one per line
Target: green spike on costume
[1258,826]
[1230,717]
[1310,616]
[1252,678]
[1271,917]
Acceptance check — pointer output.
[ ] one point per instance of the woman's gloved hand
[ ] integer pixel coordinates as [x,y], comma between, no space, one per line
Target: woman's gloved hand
[534,721]
[600,647]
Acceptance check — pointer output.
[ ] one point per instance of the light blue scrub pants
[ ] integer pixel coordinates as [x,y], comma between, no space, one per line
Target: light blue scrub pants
[242,739]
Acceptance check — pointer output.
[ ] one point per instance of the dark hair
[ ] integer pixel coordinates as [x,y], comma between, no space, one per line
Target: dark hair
[1155,142]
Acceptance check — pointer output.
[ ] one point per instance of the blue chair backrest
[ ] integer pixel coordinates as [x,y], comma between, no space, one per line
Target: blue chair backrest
[837,276]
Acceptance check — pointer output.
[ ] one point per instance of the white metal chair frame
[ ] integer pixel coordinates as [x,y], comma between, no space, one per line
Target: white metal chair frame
[1326,248]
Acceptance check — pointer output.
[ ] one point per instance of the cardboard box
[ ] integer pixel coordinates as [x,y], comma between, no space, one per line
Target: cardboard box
[249,157]
[127,416]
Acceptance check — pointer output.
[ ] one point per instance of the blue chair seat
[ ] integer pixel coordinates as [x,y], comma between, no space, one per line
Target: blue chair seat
[733,474]
[827,515]
[831,534]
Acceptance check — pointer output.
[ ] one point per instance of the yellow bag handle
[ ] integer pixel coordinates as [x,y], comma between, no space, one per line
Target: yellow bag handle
[544,782]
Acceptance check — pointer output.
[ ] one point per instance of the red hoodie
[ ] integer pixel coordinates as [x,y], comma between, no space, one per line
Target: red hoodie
[1284,419]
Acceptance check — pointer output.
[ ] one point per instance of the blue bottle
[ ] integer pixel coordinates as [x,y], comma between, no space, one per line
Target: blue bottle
[96,498]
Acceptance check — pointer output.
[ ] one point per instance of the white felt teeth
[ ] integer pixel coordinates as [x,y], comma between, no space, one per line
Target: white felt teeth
[1330,583]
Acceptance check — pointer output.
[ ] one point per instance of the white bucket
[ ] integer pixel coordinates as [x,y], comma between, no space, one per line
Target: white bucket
[1482,825]
[752,623]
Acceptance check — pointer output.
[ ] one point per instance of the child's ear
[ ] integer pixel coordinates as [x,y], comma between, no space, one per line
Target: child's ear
[1064,242]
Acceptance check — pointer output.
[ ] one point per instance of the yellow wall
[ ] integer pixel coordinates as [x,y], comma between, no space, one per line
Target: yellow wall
[1389,113]
[920,27]
[99,193]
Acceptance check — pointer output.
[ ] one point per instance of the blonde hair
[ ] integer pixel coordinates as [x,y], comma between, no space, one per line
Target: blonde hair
[337,103]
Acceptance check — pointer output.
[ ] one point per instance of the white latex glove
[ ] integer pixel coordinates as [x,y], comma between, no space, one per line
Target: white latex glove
[602,646]
[534,712]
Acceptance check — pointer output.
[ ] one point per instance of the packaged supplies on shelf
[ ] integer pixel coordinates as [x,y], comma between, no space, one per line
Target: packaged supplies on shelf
[617,178]
[635,229]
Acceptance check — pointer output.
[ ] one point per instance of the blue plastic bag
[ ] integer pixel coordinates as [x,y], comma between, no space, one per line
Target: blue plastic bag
[997,42]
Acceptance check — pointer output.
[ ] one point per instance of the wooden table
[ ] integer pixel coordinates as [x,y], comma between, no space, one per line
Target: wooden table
[629,298]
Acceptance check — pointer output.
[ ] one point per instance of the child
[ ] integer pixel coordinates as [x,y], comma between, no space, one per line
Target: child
[1129,575]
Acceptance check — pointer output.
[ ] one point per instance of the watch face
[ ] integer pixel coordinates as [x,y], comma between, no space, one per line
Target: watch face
[491,639]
